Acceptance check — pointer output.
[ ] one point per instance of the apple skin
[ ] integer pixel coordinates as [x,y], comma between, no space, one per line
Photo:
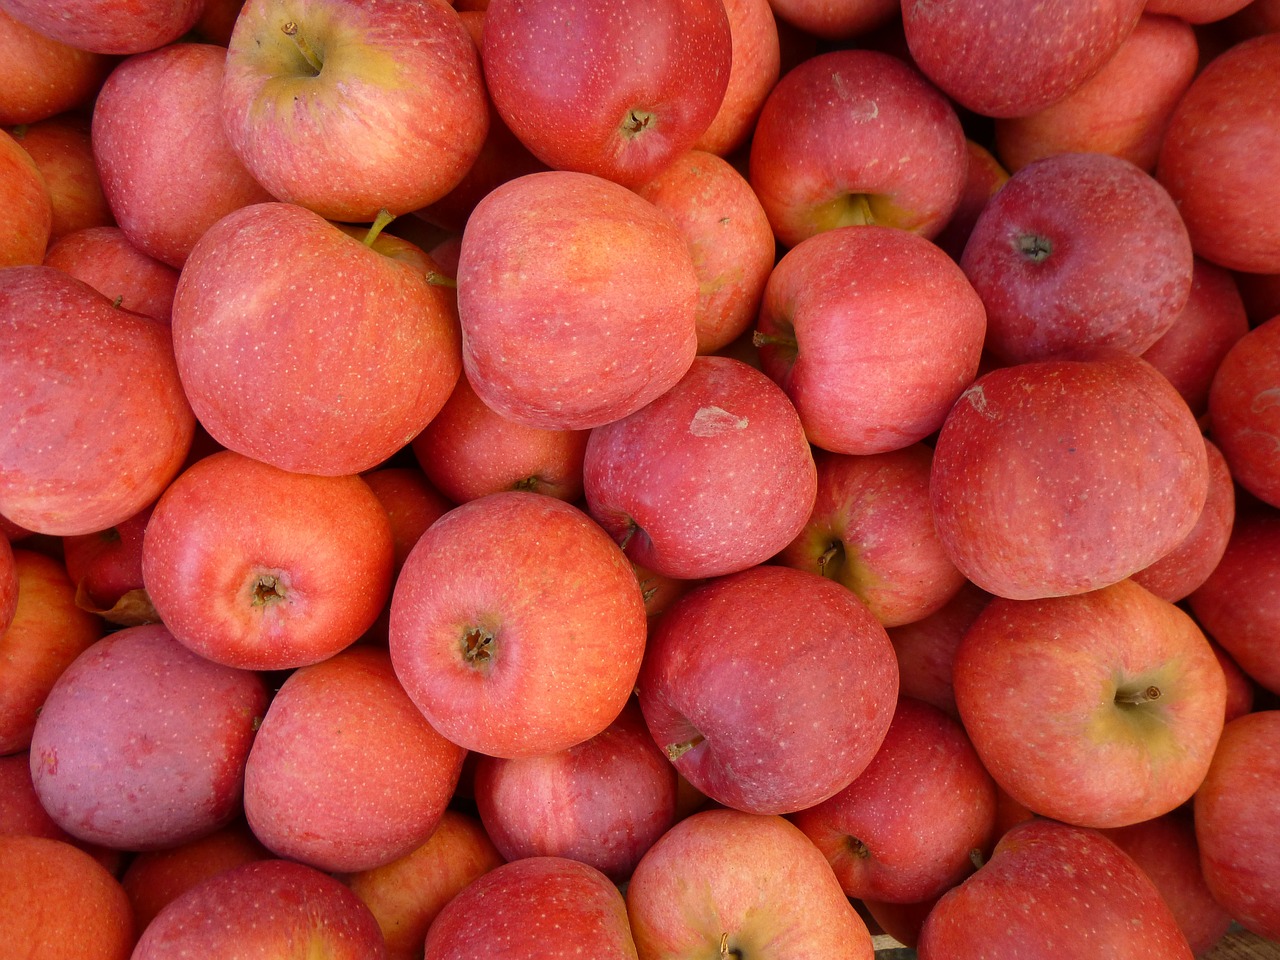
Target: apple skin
[1239,604]
[984,178]
[907,828]
[104,258]
[1122,110]
[646,80]
[872,356]
[1197,11]
[855,137]
[738,669]
[754,69]
[392,119]
[257,568]
[27,220]
[1106,442]
[1053,890]
[604,802]
[1237,820]
[539,908]
[836,19]
[1002,58]
[108,26]
[872,531]
[411,502]
[345,773]
[926,649]
[57,902]
[1076,252]
[365,352]
[106,568]
[577,299]
[8,585]
[267,908]
[517,625]
[722,883]
[1244,410]
[680,482]
[1211,158]
[106,388]
[62,150]
[40,77]
[1101,709]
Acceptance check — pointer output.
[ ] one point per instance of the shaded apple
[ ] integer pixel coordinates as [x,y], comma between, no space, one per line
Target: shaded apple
[1244,411]
[104,258]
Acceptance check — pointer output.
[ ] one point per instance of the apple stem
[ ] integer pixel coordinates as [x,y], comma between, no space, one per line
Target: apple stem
[379,224]
[771,339]
[290,29]
[725,952]
[1138,696]
[18,132]
[828,564]
[437,279]
[976,858]
[675,751]
[861,213]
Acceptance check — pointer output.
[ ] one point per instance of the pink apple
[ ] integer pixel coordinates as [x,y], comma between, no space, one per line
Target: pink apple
[769,689]
[712,477]
[873,333]
[1197,11]
[1244,410]
[105,26]
[856,137]
[349,107]
[1053,890]
[926,649]
[1076,252]
[722,883]
[99,423]
[1101,709]
[177,726]
[104,258]
[644,82]
[27,220]
[577,299]
[40,77]
[261,569]
[1006,58]
[1107,443]
[61,149]
[517,625]
[364,350]
[753,71]
[908,827]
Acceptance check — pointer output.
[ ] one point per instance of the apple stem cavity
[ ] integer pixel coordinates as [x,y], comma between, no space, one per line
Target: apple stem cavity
[831,563]
[675,751]
[290,30]
[725,952]
[858,848]
[1035,248]
[1134,697]
[379,224]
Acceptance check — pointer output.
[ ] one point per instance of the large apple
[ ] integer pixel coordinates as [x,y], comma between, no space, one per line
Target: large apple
[349,107]
[1101,709]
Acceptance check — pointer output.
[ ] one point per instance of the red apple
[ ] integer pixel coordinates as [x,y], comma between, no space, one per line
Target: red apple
[412,505]
[364,351]
[984,178]
[836,19]
[1244,410]
[261,569]
[104,258]
[926,649]
[1237,820]
[1052,890]
[349,107]
[1078,251]
[61,149]
[8,585]
[99,423]
[1063,476]
[680,483]
[1197,11]
[577,300]
[753,71]
[106,568]
[40,77]
[105,26]
[27,219]
[856,137]
[769,689]
[722,883]
[1101,709]
[517,625]
[873,333]
[644,82]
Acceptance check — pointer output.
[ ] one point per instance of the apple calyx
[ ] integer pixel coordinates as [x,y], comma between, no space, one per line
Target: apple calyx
[858,848]
[529,484]
[675,751]
[267,590]
[477,647]
[380,222]
[636,122]
[290,30]
[1034,247]
[1134,697]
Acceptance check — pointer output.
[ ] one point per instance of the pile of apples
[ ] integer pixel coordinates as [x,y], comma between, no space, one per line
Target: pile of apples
[639,478]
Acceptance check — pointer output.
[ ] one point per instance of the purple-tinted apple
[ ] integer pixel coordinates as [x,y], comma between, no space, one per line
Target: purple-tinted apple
[1244,411]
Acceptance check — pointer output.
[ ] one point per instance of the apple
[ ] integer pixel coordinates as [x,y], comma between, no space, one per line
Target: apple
[604,802]
[1053,890]
[926,648]
[1122,110]
[577,299]
[1237,818]
[364,351]
[873,333]
[8,585]
[753,70]
[99,423]
[104,26]
[171,780]
[908,828]
[517,625]
[770,689]
[261,569]
[1005,58]
[1062,476]
[1244,410]
[106,568]
[1212,158]
[539,908]
[40,77]
[1197,11]
[275,908]
[27,220]
[872,530]
[836,19]
[62,150]
[984,178]
[1078,251]
[22,815]
[1101,709]
[345,773]
[104,258]
[1240,688]
[349,107]
[856,137]
[722,883]
[680,482]
[645,80]
[411,502]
